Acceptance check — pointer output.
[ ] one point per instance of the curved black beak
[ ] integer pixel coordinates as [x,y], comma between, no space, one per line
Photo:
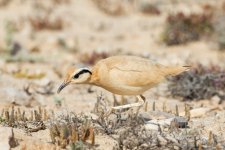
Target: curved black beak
[62,86]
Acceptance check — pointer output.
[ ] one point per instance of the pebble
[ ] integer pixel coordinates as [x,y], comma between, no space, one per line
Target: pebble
[216,100]
[162,140]
[155,115]
[197,112]
[179,122]
[151,127]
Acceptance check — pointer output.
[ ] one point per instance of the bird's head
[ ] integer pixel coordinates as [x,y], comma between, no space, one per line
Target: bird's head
[75,76]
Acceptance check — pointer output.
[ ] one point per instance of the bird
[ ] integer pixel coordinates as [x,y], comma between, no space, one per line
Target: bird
[122,75]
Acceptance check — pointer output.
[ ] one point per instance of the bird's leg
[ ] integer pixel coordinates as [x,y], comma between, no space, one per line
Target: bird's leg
[139,104]
[140,97]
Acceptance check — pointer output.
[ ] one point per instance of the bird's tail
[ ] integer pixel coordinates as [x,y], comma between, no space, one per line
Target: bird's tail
[173,71]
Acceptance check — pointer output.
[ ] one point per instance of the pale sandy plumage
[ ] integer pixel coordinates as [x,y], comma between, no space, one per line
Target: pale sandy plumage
[123,75]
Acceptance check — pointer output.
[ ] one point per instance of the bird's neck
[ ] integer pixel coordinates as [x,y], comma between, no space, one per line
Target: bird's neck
[94,78]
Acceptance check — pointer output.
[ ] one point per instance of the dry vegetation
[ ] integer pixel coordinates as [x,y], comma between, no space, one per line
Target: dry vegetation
[183,28]
[199,83]
[129,128]
[40,39]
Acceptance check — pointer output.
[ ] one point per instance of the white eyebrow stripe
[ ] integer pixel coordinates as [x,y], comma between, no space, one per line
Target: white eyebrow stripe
[82,71]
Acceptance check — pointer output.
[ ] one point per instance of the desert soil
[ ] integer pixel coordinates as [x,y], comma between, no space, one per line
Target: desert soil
[87,29]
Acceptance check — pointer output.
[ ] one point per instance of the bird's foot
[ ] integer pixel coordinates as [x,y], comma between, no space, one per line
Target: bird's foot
[139,104]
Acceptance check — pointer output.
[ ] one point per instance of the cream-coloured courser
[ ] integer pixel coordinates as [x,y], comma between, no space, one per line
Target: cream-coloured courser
[123,75]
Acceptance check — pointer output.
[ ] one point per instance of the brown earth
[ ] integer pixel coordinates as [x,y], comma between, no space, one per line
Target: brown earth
[30,77]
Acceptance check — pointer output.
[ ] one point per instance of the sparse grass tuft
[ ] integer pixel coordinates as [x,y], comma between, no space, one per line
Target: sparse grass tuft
[72,130]
[20,119]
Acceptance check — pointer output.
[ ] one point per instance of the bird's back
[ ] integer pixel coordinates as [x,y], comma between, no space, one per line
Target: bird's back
[130,75]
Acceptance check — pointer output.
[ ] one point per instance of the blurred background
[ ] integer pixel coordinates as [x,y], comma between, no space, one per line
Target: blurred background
[40,39]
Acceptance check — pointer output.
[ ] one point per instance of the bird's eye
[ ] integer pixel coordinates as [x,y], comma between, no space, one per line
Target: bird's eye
[76,76]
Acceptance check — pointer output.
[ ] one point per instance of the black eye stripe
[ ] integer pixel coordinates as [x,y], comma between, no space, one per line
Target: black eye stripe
[81,72]
[76,76]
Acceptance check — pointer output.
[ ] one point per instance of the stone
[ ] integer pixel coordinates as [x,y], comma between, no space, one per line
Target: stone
[155,115]
[105,141]
[216,100]
[150,126]
[164,122]
[197,112]
[162,140]
[180,122]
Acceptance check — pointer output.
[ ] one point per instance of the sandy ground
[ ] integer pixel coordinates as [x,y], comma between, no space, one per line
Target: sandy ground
[87,29]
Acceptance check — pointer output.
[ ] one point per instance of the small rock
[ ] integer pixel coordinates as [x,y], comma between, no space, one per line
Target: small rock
[197,112]
[106,142]
[164,122]
[155,115]
[180,122]
[171,139]
[176,147]
[145,116]
[162,140]
[150,126]
[218,116]
[144,145]
[216,100]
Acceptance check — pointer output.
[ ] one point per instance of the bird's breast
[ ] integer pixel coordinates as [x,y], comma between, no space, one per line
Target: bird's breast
[124,89]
